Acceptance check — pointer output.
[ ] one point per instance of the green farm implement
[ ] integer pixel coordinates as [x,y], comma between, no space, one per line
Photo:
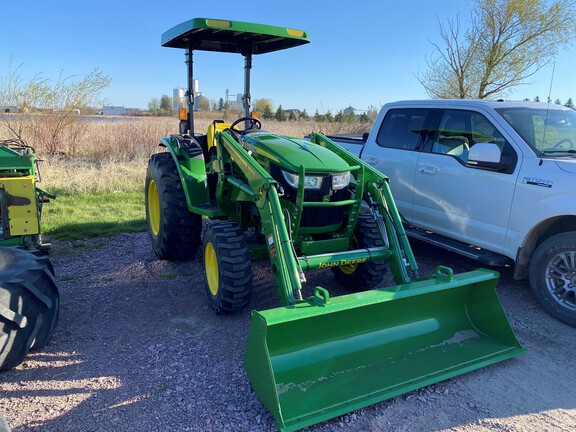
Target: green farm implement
[306,205]
[29,297]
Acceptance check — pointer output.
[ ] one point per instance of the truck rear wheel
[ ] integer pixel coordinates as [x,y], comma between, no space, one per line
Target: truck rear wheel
[553,276]
[29,305]
[228,267]
[367,275]
[174,231]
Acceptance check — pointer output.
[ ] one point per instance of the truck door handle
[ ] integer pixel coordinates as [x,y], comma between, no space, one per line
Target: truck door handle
[371,160]
[427,170]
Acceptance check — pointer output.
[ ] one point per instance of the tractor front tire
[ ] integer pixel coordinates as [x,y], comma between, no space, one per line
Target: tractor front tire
[174,230]
[29,305]
[228,267]
[368,275]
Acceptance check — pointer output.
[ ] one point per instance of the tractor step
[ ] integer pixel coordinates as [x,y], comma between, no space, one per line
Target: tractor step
[210,210]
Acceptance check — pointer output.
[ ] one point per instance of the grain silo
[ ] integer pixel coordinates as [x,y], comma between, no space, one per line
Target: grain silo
[179,98]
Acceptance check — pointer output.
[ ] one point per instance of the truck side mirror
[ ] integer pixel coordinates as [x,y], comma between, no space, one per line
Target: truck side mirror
[486,155]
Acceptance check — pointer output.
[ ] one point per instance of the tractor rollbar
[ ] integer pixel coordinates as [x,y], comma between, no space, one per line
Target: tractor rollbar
[246,98]
[190,92]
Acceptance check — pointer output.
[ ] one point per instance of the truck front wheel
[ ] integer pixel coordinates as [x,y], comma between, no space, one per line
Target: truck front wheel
[553,276]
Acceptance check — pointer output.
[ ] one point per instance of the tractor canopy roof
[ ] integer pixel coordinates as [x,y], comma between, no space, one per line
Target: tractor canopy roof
[207,34]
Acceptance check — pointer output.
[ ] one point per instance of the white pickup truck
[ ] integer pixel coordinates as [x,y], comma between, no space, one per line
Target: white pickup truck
[493,180]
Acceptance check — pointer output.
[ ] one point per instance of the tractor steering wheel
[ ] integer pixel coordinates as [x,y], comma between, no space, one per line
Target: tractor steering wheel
[562,141]
[254,124]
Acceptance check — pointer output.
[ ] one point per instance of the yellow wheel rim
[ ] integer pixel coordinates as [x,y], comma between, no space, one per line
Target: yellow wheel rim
[211,267]
[350,268]
[153,207]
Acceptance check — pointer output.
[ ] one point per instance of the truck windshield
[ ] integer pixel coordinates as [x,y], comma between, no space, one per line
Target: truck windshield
[547,131]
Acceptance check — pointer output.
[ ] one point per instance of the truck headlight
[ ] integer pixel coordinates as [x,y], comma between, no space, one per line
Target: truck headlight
[310,182]
[340,181]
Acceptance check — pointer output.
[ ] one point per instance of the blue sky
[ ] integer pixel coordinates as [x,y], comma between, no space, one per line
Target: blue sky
[362,53]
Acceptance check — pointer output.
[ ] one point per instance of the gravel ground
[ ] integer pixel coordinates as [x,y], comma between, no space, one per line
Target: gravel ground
[137,349]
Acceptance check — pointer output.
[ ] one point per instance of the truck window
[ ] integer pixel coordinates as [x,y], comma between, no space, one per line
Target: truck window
[453,134]
[547,131]
[403,129]
[459,130]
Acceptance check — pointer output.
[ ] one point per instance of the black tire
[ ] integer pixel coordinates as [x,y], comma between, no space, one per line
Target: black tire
[174,231]
[227,267]
[553,276]
[359,277]
[43,257]
[46,283]
[29,305]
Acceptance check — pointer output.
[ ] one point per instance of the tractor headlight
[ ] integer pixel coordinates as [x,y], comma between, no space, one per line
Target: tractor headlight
[310,182]
[340,181]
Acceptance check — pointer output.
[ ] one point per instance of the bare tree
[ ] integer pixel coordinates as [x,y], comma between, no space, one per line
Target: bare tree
[46,113]
[506,43]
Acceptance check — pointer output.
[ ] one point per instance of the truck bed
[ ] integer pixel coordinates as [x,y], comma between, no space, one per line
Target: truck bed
[352,143]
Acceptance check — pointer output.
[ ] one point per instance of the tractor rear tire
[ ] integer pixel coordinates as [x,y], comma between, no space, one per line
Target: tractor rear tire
[228,267]
[363,276]
[29,305]
[174,230]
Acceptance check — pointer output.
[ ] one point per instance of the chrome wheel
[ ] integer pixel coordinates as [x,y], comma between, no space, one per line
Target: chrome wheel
[561,279]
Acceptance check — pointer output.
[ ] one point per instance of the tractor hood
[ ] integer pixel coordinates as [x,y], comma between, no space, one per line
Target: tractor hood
[291,153]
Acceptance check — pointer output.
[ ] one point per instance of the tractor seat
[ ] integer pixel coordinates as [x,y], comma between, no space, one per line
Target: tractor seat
[215,126]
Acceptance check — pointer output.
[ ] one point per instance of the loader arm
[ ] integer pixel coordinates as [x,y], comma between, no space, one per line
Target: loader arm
[261,189]
[379,196]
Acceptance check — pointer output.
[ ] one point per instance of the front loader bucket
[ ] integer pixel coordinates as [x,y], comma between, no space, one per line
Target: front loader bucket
[314,361]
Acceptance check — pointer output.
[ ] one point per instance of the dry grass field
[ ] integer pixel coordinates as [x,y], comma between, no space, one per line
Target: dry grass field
[112,154]
[96,165]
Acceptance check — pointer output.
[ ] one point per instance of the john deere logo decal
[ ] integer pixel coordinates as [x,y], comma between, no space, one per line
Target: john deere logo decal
[344,262]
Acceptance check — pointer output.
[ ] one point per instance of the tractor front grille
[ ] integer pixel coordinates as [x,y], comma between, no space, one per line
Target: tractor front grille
[316,217]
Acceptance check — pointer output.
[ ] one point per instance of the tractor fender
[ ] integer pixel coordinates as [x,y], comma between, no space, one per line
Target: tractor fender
[189,159]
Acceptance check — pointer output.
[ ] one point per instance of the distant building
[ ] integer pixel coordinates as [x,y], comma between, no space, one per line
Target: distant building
[201,103]
[113,110]
[133,111]
[290,111]
[179,97]
[9,109]
[353,111]
[233,105]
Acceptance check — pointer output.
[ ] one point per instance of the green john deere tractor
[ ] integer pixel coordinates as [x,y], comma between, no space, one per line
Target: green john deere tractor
[29,297]
[306,205]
